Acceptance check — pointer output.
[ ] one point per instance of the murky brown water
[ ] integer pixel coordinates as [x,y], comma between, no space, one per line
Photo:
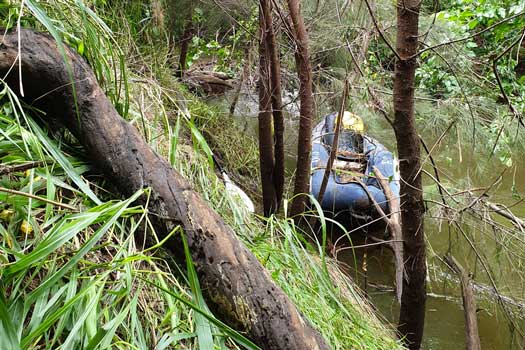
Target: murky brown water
[444,328]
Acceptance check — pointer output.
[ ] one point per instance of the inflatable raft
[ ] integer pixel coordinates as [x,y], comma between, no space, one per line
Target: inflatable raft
[357,153]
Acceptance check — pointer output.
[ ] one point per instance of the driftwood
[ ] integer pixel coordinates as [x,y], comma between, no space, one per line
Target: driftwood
[209,82]
[235,285]
[469,304]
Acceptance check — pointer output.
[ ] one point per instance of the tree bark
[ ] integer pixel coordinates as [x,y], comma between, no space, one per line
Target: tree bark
[265,117]
[277,103]
[304,144]
[412,312]
[234,283]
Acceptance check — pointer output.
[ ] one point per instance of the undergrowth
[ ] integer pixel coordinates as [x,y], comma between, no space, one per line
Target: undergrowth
[75,272]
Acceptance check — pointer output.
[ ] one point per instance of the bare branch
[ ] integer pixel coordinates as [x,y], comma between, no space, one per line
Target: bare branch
[335,145]
[21,167]
[45,200]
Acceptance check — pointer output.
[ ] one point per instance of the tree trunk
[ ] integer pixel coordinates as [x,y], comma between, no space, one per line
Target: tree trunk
[265,117]
[234,283]
[412,312]
[277,103]
[187,35]
[304,144]
[244,74]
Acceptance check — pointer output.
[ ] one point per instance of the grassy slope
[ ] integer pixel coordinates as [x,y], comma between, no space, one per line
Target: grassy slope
[77,280]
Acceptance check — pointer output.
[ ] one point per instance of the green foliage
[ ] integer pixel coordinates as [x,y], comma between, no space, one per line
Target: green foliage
[475,15]
[78,279]
[436,79]
[466,17]
[227,53]
[75,280]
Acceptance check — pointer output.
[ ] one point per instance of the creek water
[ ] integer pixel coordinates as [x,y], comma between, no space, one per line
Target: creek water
[464,168]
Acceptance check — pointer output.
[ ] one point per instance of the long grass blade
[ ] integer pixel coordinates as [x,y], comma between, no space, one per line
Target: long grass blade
[63,161]
[237,337]
[204,331]
[8,337]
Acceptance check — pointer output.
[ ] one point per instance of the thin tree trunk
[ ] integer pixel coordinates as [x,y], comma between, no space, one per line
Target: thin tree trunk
[412,312]
[304,144]
[244,74]
[277,103]
[234,283]
[187,35]
[335,145]
[265,118]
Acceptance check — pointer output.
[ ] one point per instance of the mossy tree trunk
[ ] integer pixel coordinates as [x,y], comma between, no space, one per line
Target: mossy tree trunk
[277,103]
[271,136]
[265,116]
[236,286]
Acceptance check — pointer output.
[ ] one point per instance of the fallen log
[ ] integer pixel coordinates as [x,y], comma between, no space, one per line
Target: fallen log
[209,82]
[236,286]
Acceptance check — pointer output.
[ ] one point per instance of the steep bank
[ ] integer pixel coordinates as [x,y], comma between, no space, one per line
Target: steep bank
[87,279]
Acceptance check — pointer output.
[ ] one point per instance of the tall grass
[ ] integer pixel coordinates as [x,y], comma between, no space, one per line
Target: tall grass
[72,274]
[75,272]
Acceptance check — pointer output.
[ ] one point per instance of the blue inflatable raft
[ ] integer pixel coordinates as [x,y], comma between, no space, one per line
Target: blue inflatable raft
[356,155]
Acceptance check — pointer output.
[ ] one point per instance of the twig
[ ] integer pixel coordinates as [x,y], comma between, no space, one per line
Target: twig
[506,213]
[498,179]
[468,190]
[429,152]
[502,90]
[21,167]
[58,204]
[446,206]
[440,185]
[434,17]
[491,279]
[380,242]
[436,173]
